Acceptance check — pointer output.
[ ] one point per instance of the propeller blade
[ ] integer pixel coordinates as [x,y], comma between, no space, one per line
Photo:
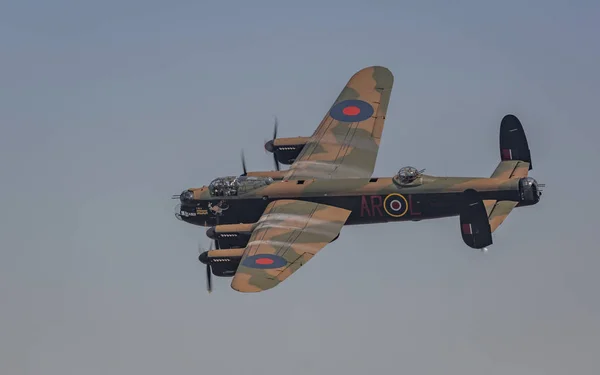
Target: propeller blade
[275,126]
[203,258]
[243,163]
[208,278]
[270,145]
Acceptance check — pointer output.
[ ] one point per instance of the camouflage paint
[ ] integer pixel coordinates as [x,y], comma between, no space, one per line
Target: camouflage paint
[288,235]
[348,146]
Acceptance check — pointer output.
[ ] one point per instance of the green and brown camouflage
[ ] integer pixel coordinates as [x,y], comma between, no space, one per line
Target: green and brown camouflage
[343,149]
[273,222]
[287,236]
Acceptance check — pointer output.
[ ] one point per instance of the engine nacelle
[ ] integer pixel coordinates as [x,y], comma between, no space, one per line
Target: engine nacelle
[286,150]
[230,236]
[223,263]
[225,269]
[529,191]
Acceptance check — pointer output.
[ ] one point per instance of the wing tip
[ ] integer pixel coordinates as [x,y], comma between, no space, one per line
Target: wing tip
[377,69]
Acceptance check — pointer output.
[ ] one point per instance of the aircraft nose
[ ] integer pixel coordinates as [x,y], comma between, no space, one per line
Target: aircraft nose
[177,212]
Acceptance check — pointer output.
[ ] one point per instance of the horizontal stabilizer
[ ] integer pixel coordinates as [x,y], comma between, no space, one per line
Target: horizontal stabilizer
[510,169]
[499,212]
[474,223]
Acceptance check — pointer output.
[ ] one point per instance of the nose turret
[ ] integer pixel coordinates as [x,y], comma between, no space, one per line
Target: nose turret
[186,196]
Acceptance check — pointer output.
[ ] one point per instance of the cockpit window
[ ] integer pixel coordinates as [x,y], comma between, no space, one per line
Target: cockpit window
[236,185]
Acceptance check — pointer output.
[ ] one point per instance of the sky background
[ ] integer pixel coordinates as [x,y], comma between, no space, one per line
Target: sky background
[108,108]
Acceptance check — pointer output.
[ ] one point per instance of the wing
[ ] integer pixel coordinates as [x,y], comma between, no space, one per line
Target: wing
[288,234]
[346,143]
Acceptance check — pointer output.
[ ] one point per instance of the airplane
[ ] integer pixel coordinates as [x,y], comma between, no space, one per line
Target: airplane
[266,225]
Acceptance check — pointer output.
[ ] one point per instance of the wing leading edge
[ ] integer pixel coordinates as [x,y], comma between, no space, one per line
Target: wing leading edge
[346,142]
[288,234]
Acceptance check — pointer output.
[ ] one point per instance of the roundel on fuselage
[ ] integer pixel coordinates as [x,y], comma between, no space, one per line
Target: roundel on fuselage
[395,205]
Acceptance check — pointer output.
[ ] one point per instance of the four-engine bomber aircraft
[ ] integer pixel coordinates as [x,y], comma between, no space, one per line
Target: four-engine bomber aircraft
[265,225]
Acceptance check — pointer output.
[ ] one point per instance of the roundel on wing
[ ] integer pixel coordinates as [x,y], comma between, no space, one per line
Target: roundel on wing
[353,110]
[395,205]
[264,261]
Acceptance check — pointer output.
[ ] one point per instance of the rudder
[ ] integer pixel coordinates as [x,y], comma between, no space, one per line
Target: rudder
[513,142]
[474,223]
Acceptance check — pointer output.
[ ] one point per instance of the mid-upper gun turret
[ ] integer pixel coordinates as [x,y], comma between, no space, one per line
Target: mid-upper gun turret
[408,176]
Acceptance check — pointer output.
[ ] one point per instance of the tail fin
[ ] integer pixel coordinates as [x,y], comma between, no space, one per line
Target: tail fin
[514,150]
[480,218]
[515,161]
[474,224]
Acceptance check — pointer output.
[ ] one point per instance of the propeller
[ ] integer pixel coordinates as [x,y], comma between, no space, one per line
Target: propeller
[208,278]
[203,258]
[269,145]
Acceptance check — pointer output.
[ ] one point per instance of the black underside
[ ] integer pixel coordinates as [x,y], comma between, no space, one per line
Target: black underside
[468,205]
[226,268]
[288,154]
[365,209]
[231,240]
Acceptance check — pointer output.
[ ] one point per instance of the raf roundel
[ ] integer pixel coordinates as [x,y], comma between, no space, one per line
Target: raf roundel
[264,261]
[353,110]
[395,205]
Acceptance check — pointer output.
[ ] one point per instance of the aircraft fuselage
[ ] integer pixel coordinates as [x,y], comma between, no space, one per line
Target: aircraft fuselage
[372,201]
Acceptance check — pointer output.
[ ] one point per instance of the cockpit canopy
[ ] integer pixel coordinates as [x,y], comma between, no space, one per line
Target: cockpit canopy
[407,175]
[236,185]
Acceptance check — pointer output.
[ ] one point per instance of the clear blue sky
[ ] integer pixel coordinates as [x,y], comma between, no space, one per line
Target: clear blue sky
[108,108]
